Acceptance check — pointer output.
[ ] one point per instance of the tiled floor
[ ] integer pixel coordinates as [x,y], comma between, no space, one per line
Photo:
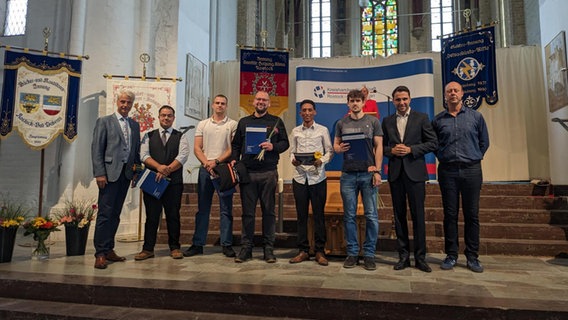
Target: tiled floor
[528,283]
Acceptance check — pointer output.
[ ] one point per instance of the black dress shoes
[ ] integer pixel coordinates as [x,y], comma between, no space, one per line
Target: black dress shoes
[402,264]
[422,266]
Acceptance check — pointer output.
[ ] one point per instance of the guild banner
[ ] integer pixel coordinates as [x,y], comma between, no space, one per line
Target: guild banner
[40,98]
[150,96]
[328,88]
[469,59]
[264,71]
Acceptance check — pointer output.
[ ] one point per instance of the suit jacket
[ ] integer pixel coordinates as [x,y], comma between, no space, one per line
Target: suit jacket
[419,136]
[108,148]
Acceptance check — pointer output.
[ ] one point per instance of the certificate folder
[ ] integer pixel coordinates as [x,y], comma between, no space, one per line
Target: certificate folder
[305,158]
[254,136]
[357,147]
[147,182]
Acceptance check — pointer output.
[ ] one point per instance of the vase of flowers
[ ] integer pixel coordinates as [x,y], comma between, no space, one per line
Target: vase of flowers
[12,215]
[77,217]
[41,228]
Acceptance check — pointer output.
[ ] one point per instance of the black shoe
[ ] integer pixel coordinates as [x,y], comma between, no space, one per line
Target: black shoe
[193,251]
[244,255]
[369,263]
[269,256]
[474,265]
[229,252]
[402,264]
[422,266]
[351,262]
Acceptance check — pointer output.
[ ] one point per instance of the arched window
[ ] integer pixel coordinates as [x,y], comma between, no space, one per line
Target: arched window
[379,28]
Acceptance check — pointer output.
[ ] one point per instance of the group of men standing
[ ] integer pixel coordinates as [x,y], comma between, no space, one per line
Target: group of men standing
[457,135]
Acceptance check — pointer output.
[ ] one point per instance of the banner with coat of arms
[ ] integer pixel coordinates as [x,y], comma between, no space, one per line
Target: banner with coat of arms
[150,97]
[469,59]
[264,71]
[40,97]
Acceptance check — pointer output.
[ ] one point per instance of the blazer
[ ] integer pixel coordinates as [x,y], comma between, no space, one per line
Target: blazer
[419,136]
[108,146]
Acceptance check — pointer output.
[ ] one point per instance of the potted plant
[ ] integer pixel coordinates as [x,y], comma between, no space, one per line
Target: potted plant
[12,215]
[77,216]
[41,228]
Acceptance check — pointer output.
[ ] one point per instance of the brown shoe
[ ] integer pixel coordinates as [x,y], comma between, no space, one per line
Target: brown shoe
[143,255]
[320,259]
[176,254]
[100,262]
[112,256]
[302,256]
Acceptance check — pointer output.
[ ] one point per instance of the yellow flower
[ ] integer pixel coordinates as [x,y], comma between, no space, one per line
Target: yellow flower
[317,155]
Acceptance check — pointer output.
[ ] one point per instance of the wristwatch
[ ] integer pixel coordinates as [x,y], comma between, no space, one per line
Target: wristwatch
[216,161]
[377,171]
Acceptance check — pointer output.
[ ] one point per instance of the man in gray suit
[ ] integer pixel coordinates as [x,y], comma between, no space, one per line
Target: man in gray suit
[114,151]
[408,136]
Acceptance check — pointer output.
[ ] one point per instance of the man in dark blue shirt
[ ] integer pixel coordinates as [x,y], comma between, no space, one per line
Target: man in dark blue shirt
[462,141]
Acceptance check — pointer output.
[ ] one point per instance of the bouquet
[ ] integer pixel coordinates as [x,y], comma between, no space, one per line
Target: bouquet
[41,228]
[77,213]
[260,156]
[12,214]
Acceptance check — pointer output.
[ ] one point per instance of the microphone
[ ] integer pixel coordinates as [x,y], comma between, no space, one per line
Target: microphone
[389,98]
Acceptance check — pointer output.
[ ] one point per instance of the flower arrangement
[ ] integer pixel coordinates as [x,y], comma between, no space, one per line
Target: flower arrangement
[260,156]
[78,213]
[41,228]
[12,214]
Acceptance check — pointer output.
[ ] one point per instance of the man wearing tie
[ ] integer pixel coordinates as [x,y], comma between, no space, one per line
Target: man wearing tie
[408,136]
[164,150]
[114,151]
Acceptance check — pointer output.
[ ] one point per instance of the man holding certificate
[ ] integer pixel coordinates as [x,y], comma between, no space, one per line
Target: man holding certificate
[359,138]
[258,142]
[311,149]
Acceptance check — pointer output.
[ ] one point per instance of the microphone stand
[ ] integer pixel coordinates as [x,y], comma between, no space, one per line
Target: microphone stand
[388,100]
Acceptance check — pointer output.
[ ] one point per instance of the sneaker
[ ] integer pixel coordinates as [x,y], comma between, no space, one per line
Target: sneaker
[229,252]
[448,263]
[369,263]
[269,256]
[244,255]
[143,255]
[474,265]
[193,251]
[351,262]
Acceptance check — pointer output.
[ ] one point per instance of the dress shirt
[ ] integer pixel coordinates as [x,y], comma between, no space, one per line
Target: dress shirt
[461,139]
[401,121]
[310,139]
[183,152]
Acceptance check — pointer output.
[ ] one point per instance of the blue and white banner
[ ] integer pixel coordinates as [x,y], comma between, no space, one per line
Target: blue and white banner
[40,98]
[328,88]
[469,59]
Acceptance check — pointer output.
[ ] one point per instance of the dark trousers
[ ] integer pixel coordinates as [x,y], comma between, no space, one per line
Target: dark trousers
[262,187]
[316,194]
[401,189]
[458,180]
[171,203]
[110,202]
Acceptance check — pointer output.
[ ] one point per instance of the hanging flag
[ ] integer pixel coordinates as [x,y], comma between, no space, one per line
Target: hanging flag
[264,71]
[469,59]
[150,97]
[328,88]
[40,97]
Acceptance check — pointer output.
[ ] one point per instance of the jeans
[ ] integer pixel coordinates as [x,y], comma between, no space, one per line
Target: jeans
[305,194]
[205,192]
[465,181]
[262,186]
[351,183]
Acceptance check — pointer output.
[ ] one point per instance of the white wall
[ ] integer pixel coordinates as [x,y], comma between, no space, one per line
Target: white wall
[553,20]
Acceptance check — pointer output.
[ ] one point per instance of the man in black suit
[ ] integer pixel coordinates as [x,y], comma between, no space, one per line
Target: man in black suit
[114,150]
[408,136]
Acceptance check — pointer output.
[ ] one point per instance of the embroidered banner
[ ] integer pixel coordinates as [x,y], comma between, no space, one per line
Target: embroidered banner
[150,97]
[328,88]
[469,59]
[40,98]
[264,71]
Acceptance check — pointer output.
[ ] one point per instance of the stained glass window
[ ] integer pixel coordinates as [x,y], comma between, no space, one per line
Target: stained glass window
[15,23]
[379,28]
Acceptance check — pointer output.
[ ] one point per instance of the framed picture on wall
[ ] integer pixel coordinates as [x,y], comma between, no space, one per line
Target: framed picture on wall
[556,75]
[196,97]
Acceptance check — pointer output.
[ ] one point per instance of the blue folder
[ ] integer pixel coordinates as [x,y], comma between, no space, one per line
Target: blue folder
[147,182]
[254,136]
